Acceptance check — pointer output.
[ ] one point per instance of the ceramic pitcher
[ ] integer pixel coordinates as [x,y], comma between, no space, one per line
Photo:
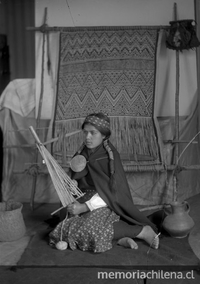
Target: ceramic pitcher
[178,222]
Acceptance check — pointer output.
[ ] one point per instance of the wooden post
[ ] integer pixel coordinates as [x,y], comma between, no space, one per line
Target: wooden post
[176,145]
[38,119]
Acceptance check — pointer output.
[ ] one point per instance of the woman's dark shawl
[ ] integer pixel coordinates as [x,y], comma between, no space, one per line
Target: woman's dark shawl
[97,176]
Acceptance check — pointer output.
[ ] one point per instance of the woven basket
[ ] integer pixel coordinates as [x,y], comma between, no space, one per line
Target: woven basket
[12,225]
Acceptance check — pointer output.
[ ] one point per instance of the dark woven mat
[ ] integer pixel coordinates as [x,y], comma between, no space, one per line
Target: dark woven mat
[172,252]
[41,263]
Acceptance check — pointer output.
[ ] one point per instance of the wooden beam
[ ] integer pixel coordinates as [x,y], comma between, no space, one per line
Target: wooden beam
[45,28]
[179,141]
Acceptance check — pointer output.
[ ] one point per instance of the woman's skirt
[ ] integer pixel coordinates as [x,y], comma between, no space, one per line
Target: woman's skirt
[92,231]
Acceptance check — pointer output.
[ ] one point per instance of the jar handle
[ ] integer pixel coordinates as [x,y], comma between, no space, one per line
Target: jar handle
[165,209]
[187,206]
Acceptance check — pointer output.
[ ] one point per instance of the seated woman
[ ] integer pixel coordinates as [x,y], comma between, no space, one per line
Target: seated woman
[106,213]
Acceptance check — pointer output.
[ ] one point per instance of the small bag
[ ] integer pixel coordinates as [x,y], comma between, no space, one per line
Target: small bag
[12,225]
[182,35]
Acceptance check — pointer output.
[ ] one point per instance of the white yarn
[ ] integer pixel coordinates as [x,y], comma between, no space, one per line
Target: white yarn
[61,245]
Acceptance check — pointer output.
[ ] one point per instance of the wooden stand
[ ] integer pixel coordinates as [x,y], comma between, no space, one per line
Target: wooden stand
[45,29]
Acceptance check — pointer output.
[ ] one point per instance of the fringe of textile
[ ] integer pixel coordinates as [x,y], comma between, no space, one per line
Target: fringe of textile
[132,136]
[64,148]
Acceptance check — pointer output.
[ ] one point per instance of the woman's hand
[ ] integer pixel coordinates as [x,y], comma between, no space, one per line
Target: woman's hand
[77,208]
[75,182]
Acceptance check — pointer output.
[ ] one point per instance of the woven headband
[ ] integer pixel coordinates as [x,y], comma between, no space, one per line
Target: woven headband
[98,122]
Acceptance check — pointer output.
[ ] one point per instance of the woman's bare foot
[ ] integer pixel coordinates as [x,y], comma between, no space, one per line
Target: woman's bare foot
[147,234]
[128,243]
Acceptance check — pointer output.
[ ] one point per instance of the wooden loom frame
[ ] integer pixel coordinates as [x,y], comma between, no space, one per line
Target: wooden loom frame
[45,30]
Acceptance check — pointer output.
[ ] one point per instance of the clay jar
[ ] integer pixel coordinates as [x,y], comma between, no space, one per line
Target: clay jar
[178,223]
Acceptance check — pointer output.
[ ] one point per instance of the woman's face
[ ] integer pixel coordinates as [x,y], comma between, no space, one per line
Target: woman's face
[92,136]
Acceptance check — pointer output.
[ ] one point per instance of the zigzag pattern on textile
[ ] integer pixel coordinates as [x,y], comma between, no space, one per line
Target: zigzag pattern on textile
[108,43]
[106,70]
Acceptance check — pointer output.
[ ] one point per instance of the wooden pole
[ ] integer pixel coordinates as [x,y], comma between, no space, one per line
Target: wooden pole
[176,150]
[38,119]
[46,28]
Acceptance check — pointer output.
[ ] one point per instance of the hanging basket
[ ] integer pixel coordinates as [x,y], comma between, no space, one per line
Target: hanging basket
[12,225]
[182,35]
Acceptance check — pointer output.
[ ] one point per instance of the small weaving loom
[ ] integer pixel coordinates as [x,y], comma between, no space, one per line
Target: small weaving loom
[65,187]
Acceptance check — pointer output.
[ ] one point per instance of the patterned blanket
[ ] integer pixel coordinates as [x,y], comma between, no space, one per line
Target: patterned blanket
[110,70]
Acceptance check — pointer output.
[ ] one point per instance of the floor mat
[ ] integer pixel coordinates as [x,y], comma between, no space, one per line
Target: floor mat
[41,263]
[172,252]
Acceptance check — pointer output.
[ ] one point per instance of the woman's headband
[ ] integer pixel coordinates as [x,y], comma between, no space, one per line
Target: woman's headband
[98,122]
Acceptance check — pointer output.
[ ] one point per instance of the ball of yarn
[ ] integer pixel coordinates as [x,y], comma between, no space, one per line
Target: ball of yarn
[61,245]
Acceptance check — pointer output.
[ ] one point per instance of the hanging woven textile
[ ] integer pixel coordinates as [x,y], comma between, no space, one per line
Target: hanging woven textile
[110,70]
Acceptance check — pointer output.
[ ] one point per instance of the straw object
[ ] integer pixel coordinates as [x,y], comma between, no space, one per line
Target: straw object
[66,189]
[12,226]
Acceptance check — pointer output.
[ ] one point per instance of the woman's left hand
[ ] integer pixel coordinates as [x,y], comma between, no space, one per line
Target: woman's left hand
[77,208]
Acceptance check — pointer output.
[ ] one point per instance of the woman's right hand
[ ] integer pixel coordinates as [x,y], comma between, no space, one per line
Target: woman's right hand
[75,182]
[77,208]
